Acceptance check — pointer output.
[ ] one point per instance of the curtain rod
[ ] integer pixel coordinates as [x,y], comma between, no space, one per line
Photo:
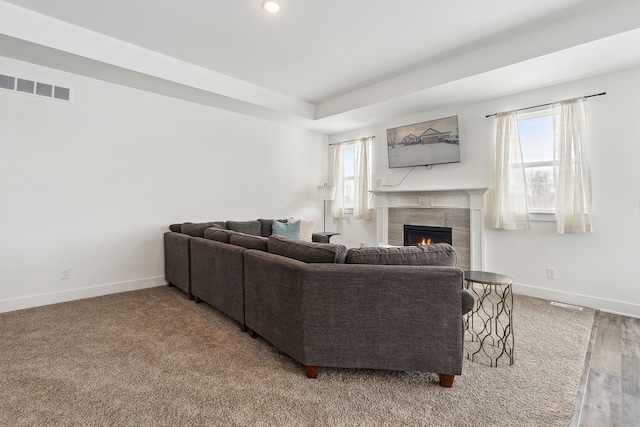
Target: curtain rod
[544,105]
[351,140]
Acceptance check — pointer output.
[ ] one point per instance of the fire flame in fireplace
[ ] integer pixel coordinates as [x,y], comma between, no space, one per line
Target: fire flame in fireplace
[425,241]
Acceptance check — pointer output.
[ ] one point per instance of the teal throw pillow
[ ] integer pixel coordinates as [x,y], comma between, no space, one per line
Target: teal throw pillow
[290,229]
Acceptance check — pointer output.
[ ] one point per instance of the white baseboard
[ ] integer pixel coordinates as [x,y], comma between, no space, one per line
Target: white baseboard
[603,304]
[12,304]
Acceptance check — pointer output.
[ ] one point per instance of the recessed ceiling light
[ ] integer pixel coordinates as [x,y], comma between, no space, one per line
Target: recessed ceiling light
[272,6]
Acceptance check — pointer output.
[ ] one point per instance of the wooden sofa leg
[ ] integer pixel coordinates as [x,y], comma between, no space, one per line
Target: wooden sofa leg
[169,284]
[189,296]
[312,371]
[197,300]
[446,380]
[243,327]
[252,333]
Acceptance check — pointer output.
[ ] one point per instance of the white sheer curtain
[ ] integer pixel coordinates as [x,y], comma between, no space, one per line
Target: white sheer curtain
[571,167]
[338,180]
[510,204]
[362,204]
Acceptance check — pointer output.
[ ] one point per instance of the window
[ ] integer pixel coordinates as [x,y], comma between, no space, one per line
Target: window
[349,178]
[352,179]
[536,141]
[528,160]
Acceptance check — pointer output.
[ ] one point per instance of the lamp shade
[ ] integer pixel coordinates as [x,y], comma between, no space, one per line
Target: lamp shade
[326,192]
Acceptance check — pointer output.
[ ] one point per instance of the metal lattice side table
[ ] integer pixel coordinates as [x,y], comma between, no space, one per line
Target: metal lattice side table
[490,323]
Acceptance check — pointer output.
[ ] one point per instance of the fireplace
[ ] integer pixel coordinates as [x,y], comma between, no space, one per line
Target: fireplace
[461,209]
[418,235]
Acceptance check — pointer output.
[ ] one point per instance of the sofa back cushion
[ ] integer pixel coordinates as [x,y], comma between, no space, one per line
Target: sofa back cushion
[309,252]
[217,234]
[439,254]
[266,229]
[197,229]
[249,241]
[246,227]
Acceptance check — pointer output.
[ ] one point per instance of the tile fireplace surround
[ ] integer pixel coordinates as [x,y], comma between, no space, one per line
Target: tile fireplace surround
[460,209]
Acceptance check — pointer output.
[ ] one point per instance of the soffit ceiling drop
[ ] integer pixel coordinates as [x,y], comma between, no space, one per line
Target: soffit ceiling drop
[331,65]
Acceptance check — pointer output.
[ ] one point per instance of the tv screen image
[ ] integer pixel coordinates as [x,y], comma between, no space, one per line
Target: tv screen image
[423,144]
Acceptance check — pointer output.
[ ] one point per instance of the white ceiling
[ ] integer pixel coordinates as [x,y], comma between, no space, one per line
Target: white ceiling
[328,65]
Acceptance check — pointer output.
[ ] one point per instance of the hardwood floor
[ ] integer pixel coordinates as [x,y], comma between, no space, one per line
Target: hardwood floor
[609,391]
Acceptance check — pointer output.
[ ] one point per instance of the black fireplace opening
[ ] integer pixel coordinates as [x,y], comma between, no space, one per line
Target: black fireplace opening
[418,235]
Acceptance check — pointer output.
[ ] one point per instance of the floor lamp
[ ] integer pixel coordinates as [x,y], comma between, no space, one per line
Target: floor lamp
[325,192]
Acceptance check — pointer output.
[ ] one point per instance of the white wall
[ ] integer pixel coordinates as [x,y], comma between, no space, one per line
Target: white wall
[595,269]
[93,184]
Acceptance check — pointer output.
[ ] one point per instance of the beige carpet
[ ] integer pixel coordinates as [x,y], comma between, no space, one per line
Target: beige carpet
[152,358]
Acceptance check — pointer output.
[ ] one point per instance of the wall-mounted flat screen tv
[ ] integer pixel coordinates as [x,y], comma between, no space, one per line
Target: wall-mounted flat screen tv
[424,144]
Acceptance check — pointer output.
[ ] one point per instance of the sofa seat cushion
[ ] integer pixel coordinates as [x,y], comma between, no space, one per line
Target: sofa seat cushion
[197,229]
[247,227]
[249,241]
[309,252]
[439,254]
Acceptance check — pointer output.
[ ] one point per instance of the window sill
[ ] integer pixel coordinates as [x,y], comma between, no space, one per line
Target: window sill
[542,216]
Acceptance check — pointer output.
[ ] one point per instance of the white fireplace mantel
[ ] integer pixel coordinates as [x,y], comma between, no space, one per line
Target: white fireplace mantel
[454,198]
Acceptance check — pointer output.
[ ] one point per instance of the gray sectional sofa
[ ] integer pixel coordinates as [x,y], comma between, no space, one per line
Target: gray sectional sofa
[177,245]
[329,306]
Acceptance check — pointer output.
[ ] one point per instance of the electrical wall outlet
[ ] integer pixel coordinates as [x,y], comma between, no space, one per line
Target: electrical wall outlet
[65,274]
[551,273]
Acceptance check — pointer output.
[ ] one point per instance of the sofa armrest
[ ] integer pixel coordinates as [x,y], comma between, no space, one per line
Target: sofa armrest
[319,238]
[177,258]
[468,301]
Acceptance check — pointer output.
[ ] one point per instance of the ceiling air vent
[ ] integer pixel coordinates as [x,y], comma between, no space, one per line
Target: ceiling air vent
[25,86]
[7,82]
[35,88]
